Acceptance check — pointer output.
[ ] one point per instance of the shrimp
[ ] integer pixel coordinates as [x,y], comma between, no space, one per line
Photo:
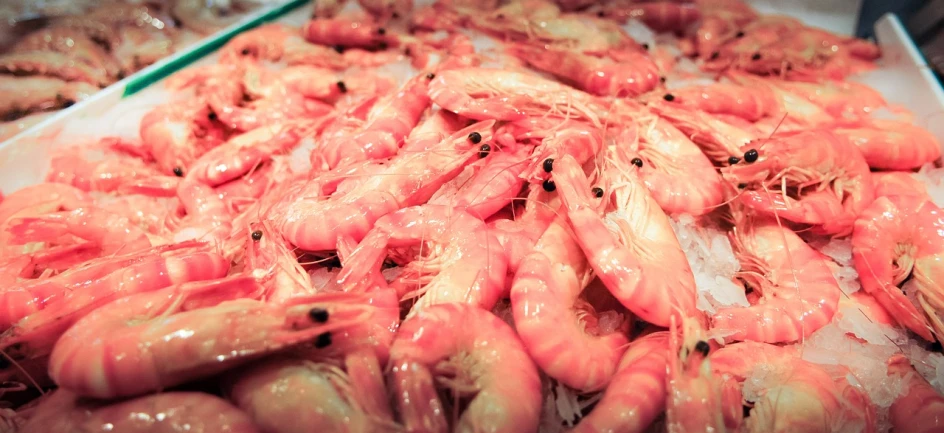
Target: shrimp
[920,409]
[749,103]
[175,134]
[39,199]
[896,239]
[519,235]
[271,258]
[547,289]
[408,180]
[208,217]
[150,341]
[672,166]
[841,99]
[794,291]
[292,395]
[25,94]
[66,412]
[278,42]
[661,16]
[821,180]
[53,64]
[347,33]
[719,140]
[893,145]
[482,94]
[476,355]
[496,184]
[56,308]
[386,9]
[460,260]
[635,73]
[636,394]
[632,249]
[890,183]
[112,233]
[388,123]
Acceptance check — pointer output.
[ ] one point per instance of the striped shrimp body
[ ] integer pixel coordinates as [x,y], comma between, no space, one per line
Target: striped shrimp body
[66,412]
[815,178]
[634,75]
[794,291]
[896,239]
[545,295]
[893,145]
[408,180]
[636,394]
[151,341]
[483,359]
[35,334]
[483,93]
[461,262]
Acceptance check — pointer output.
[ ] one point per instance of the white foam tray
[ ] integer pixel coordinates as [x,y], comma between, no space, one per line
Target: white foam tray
[904,78]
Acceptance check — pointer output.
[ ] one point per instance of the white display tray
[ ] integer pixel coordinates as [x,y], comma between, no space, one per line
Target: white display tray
[904,78]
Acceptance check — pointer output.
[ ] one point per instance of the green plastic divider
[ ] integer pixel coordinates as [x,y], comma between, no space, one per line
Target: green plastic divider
[206,47]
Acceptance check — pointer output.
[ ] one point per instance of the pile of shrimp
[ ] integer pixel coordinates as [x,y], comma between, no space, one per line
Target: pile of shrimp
[547,225]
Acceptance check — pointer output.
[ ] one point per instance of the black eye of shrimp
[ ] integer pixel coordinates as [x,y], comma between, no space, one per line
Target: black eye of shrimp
[475,138]
[245,51]
[430,76]
[549,185]
[715,55]
[703,347]
[751,156]
[597,192]
[342,87]
[257,235]
[739,34]
[381,31]
[319,315]
[179,172]
[323,340]
[734,160]
[756,56]
[637,162]
[669,97]
[339,49]
[548,165]
[484,150]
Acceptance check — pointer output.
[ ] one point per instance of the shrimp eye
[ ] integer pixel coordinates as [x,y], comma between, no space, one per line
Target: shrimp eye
[211,116]
[342,87]
[739,34]
[637,162]
[257,235]
[484,150]
[430,76]
[734,160]
[245,51]
[742,185]
[669,97]
[751,156]
[319,315]
[662,80]
[339,49]
[381,31]
[548,165]
[715,55]
[549,185]
[4,363]
[645,46]
[323,340]
[475,138]
[383,46]
[597,192]
[703,347]
[756,56]
[601,14]
[179,172]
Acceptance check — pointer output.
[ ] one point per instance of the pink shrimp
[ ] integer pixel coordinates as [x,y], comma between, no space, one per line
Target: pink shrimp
[186,332]
[920,408]
[35,334]
[175,134]
[294,396]
[893,145]
[636,394]
[519,235]
[897,238]
[842,99]
[496,184]
[462,261]
[112,233]
[720,140]
[481,94]
[635,73]
[750,103]
[64,411]
[547,290]
[825,171]
[408,180]
[387,9]
[278,42]
[889,183]
[794,291]
[661,16]
[448,339]
[620,255]
[270,256]
[39,199]
[388,123]
[347,33]
[672,165]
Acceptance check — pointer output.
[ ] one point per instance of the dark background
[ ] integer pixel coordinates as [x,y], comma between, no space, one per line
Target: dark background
[924,20]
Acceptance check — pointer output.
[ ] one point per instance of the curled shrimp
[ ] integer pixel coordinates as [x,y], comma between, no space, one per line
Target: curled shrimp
[185,332]
[893,145]
[64,411]
[896,239]
[631,249]
[462,261]
[815,178]
[794,291]
[473,353]
[920,408]
[635,73]
[547,289]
